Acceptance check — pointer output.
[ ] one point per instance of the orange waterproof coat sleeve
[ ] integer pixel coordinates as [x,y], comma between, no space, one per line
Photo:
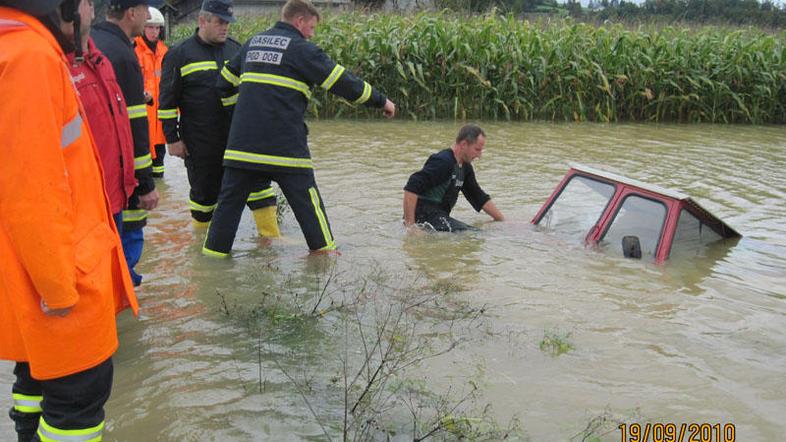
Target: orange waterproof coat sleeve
[58,242]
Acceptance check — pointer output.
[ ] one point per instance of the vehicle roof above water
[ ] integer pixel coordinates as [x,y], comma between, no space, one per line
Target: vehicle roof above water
[718,224]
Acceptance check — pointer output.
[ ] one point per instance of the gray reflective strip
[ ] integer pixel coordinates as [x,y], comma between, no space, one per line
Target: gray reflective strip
[143,162]
[272,160]
[199,66]
[5,23]
[71,131]
[164,114]
[134,215]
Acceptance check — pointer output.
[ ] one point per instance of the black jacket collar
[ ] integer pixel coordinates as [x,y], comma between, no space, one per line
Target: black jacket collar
[115,30]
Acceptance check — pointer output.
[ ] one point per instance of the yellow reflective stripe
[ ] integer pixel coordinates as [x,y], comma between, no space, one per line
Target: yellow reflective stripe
[143,161]
[158,169]
[230,77]
[200,208]
[137,111]
[272,160]
[262,194]
[26,403]
[229,101]
[71,131]
[165,114]
[48,433]
[330,245]
[199,66]
[365,95]
[333,77]
[276,80]
[208,252]
[134,215]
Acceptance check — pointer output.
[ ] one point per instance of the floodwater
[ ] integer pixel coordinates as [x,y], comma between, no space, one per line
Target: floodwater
[696,340]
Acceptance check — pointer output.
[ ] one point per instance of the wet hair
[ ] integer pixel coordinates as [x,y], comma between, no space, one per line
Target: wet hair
[469,133]
[296,8]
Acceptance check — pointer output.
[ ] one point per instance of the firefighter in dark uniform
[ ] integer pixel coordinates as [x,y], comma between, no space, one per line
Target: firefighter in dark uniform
[199,135]
[126,20]
[271,79]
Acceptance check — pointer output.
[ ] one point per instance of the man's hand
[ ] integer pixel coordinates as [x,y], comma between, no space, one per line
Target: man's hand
[389,110]
[148,97]
[62,312]
[149,201]
[178,149]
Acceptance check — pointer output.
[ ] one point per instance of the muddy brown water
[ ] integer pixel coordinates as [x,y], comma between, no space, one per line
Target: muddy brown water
[699,339]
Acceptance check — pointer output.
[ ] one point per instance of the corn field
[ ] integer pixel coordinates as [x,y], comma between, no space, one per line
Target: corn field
[443,66]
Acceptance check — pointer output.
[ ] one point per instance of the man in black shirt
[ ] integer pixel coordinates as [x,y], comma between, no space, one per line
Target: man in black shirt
[431,193]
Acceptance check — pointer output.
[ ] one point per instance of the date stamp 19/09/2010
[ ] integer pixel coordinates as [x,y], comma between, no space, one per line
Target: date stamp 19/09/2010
[671,432]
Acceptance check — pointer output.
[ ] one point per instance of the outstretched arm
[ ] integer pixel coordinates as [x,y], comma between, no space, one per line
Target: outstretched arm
[491,209]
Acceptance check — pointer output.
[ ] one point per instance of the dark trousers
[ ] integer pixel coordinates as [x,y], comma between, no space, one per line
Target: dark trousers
[73,402]
[440,220]
[300,190]
[158,161]
[205,176]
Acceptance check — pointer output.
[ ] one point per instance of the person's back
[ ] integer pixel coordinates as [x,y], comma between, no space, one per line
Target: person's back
[63,279]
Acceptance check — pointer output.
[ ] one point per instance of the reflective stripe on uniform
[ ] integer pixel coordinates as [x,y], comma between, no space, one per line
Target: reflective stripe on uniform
[262,194]
[166,114]
[330,245]
[143,162]
[158,169]
[229,101]
[199,66]
[331,79]
[200,208]
[130,216]
[137,111]
[365,95]
[247,157]
[276,80]
[230,77]
[71,131]
[26,403]
[48,433]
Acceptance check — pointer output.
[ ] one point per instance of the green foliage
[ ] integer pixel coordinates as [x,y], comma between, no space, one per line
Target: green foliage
[555,343]
[439,65]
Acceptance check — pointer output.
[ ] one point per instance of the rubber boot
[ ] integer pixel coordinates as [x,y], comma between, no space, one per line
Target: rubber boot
[199,224]
[267,224]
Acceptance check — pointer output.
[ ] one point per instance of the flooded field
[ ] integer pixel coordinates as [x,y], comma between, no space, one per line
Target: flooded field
[537,332]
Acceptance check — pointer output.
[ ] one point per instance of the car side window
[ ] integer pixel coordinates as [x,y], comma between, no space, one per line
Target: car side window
[692,235]
[578,207]
[640,217]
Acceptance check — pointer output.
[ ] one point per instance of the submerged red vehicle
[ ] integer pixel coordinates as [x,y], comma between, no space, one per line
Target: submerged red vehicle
[628,217]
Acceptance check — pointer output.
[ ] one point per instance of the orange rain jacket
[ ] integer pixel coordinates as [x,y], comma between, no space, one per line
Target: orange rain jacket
[58,242]
[150,62]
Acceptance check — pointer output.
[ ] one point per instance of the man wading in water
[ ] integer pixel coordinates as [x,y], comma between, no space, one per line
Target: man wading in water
[431,193]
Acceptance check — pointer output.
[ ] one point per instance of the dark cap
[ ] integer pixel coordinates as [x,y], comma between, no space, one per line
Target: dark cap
[122,5]
[220,8]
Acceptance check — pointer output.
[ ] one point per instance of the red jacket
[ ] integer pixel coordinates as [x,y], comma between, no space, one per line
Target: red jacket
[108,118]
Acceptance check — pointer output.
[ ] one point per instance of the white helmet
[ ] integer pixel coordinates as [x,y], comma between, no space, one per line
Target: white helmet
[156,18]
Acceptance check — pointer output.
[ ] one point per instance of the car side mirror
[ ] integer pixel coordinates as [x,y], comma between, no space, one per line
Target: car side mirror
[631,247]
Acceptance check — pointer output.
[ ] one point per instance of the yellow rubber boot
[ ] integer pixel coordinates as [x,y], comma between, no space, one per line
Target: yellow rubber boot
[267,224]
[199,224]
